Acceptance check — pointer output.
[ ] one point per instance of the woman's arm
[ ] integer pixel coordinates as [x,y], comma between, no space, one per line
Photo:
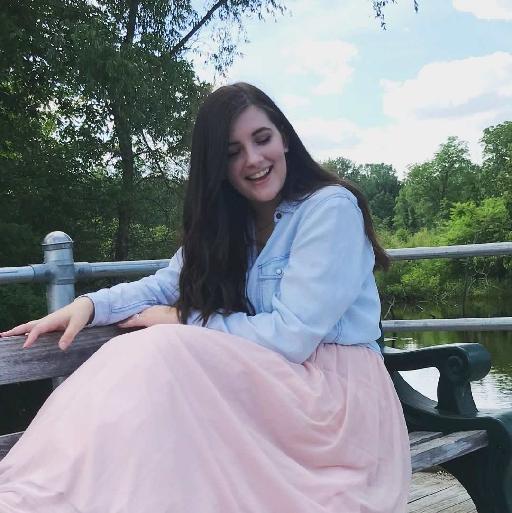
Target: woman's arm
[116,303]
[108,306]
[330,259]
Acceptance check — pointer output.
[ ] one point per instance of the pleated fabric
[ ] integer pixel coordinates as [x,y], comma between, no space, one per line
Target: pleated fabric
[181,419]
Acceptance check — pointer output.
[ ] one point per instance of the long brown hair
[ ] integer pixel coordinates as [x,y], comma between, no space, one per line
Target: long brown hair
[216,240]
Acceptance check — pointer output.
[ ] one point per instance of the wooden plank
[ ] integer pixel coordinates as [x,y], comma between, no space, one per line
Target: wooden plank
[445,500]
[466,506]
[440,493]
[424,484]
[7,441]
[436,500]
[44,359]
[448,447]
[416,437]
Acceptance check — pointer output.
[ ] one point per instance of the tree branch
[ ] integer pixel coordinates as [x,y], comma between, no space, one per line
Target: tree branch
[205,19]
[156,162]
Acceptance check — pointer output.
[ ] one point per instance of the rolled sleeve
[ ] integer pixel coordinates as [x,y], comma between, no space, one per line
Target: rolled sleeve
[116,303]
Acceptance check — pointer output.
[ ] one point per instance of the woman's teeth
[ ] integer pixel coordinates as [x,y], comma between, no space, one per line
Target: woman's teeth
[260,174]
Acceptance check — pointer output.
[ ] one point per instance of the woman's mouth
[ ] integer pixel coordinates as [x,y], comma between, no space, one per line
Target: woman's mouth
[260,175]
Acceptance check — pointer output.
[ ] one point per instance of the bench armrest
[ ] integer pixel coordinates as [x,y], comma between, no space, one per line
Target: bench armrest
[458,365]
[458,362]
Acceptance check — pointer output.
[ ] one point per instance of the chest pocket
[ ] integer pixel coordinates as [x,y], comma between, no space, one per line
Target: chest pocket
[269,280]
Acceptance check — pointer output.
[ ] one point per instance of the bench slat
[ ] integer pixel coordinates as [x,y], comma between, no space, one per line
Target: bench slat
[436,449]
[447,447]
[7,441]
[44,359]
[417,437]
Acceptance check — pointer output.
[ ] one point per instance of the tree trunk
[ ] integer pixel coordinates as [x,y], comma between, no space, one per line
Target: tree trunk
[126,199]
[123,130]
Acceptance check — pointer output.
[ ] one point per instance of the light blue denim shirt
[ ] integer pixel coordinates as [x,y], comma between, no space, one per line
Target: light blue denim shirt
[312,282]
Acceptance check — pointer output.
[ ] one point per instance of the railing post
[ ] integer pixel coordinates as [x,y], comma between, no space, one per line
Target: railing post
[58,256]
[60,291]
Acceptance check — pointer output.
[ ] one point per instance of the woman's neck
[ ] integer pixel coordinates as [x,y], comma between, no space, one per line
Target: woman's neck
[264,213]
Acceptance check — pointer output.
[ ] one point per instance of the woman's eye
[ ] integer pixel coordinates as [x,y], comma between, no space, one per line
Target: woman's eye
[264,140]
[232,154]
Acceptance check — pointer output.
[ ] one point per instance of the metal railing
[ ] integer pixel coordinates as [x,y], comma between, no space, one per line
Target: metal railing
[60,272]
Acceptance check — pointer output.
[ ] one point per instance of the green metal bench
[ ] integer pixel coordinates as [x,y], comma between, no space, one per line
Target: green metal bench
[474,446]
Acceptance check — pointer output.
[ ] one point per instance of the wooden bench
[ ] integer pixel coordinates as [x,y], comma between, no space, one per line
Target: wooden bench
[475,446]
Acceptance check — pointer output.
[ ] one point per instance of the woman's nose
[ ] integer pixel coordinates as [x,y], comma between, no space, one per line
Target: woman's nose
[253,156]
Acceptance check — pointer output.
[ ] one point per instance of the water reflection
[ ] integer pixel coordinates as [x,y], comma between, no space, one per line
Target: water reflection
[494,391]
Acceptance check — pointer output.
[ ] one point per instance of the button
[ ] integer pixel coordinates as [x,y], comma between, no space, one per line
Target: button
[279,215]
[279,271]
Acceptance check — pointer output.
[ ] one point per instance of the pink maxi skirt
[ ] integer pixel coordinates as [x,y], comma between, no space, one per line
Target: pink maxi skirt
[181,419]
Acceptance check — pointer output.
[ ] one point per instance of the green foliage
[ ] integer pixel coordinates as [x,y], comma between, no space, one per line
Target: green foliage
[475,224]
[96,107]
[471,223]
[441,280]
[431,188]
[447,200]
[378,182]
[106,88]
[497,167]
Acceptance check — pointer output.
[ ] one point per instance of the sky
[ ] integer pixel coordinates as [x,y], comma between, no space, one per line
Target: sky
[353,90]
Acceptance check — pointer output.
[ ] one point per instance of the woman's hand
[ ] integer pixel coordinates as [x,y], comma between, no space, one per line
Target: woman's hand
[158,314]
[71,319]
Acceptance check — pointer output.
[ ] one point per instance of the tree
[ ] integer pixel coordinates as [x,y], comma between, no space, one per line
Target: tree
[344,168]
[116,80]
[431,188]
[378,182]
[470,223]
[497,166]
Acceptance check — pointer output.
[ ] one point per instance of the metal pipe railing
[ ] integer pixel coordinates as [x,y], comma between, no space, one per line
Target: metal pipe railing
[460,251]
[58,257]
[463,324]
[88,271]
[60,272]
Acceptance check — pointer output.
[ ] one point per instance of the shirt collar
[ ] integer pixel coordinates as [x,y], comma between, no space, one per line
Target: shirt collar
[288,206]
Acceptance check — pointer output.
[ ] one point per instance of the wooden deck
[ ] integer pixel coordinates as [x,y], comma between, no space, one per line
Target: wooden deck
[438,492]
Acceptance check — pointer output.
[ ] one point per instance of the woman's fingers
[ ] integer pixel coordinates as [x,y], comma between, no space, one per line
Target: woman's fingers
[73,328]
[33,334]
[70,318]
[21,329]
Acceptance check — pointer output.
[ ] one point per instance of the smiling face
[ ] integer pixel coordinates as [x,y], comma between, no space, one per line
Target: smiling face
[257,164]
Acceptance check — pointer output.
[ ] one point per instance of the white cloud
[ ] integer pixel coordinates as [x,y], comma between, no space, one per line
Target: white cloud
[292,101]
[278,51]
[327,61]
[486,9]
[327,17]
[307,58]
[327,138]
[452,89]
[460,97]
[400,143]
[410,141]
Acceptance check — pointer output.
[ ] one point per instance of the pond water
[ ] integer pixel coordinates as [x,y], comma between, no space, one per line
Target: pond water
[495,390]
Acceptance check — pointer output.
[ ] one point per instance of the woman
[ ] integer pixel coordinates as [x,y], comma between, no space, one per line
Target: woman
[259,385]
